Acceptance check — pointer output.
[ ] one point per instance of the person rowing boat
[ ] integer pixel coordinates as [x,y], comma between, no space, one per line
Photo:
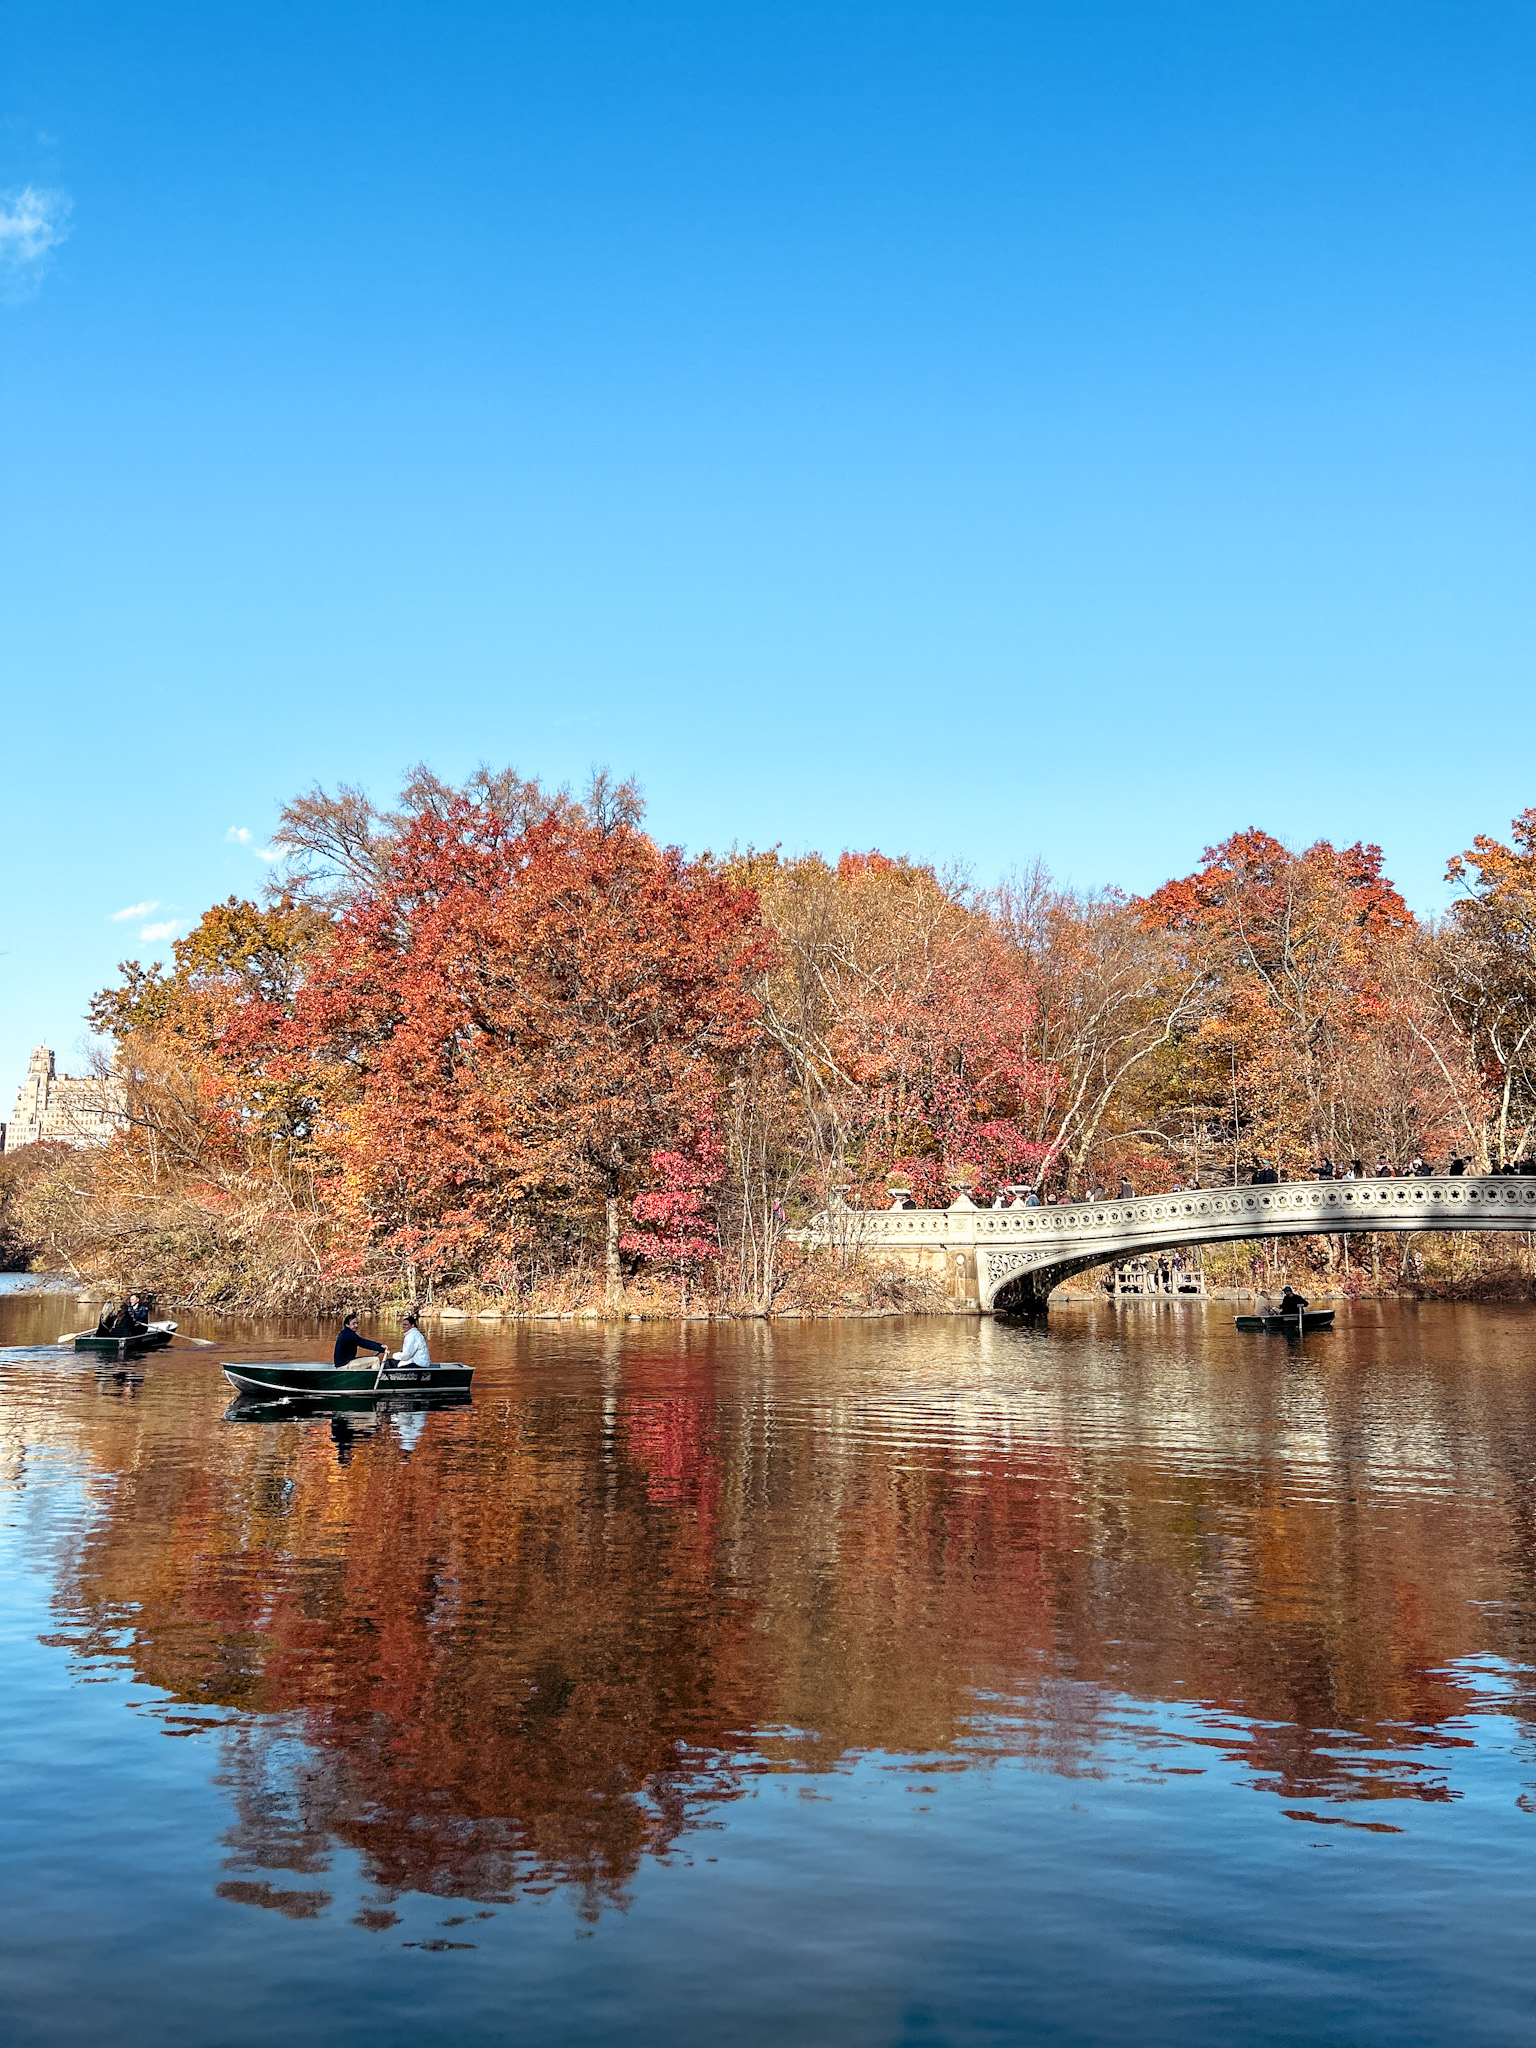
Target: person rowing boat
[349,1343]
[1292,1303]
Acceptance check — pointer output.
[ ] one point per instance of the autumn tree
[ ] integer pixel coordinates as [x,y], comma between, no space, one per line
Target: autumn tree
[1301,962]
[337,846]
[205,1029]
[1486,980]
[674,1218]
[1109,995]
[206,1193]
[902,1022]
[511,1022]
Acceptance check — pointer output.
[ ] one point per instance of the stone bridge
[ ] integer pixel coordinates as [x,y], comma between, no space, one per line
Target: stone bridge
[1006,1261]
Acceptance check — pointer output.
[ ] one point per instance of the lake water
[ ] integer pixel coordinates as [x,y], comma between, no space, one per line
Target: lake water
[881,1683]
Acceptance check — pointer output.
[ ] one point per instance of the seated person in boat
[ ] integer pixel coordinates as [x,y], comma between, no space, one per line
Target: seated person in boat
[348,1343]
[413,1352]
[1291,1303]
[130,1321]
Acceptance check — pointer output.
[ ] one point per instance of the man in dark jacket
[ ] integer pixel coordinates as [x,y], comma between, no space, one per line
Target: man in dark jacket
[348,1343]
[131,1321]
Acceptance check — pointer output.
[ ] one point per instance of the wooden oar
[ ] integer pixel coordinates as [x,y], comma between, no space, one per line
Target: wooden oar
[69,1336]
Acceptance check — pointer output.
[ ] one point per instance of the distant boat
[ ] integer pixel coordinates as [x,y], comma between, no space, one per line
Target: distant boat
[151,1338]
[1314,1319]
[308,1382]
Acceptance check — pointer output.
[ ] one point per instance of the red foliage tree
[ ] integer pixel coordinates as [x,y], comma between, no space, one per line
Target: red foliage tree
[510,1025]
[682,1232]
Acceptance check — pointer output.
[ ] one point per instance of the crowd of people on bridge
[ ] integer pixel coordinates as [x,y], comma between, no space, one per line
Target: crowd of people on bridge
[1162,1273]
[1263,1173]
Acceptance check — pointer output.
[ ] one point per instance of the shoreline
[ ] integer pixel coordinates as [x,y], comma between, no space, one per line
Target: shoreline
[16,1284]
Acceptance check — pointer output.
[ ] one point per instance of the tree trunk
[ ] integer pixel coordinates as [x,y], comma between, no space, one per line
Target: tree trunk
[614,1294]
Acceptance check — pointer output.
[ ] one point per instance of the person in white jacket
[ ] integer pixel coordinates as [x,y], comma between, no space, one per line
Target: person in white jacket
[413,1352]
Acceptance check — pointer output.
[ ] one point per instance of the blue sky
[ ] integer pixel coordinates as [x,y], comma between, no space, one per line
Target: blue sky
[983,431]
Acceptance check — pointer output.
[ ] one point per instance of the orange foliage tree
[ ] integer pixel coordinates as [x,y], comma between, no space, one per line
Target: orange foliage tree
[904,1021]
[1487,977]
[509,1024]
[1303,961]
[213,1020]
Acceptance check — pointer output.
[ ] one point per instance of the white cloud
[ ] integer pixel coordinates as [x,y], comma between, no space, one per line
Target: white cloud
[153,932]
[34,220]
[241,835]
[134,910]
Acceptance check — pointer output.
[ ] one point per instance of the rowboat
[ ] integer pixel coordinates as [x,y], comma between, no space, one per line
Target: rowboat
[1314,1319]
[284,1382]
[152,1338]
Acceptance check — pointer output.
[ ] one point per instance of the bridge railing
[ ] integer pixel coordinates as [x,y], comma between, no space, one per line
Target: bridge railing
[1437,1202]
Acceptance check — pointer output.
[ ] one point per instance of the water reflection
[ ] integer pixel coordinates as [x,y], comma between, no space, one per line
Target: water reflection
[533,1639]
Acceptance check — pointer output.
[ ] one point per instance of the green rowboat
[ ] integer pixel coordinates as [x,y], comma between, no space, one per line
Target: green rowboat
[154,1338]
[308,1382]
[1314,1319]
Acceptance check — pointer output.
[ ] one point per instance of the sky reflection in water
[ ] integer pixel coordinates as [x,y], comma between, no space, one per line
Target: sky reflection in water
[880,1682]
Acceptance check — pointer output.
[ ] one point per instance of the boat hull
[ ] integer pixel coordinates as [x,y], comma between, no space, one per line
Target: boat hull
[1314,1319]
[324,1382]
[155,1338]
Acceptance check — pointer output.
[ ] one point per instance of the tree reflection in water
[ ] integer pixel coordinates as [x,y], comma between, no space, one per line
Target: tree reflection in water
[534,1641]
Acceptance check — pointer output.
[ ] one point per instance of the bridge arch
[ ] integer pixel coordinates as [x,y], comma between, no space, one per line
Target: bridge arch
[1012,1258]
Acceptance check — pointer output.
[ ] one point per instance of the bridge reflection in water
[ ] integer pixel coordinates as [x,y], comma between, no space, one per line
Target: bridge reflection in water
[1006,1261]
